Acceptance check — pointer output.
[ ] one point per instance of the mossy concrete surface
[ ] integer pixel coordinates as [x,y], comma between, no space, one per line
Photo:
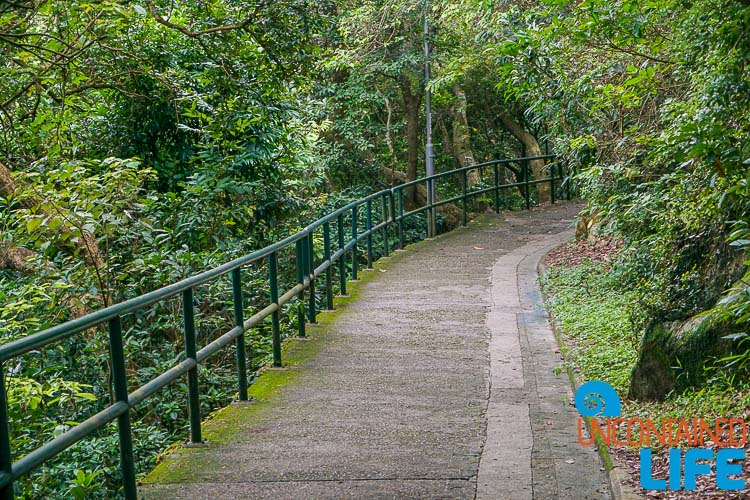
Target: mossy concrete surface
[223,425]
[389,395]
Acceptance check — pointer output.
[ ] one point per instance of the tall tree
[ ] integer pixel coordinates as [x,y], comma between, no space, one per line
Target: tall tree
[381,46]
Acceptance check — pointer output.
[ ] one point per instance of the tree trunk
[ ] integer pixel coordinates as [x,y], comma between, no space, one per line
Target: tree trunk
[447,143]
[532,149]
[411,104]
[388,135]
[16,258]
[462,150]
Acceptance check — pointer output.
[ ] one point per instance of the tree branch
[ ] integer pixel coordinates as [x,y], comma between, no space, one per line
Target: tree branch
[613,47]
[193,34]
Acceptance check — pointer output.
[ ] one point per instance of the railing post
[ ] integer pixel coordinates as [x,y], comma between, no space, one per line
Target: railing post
[526,179]
[431,210]
[497,188]
[120,382]
[240,340]
[329,269]
[368,228]
[428,212]
[552,182]
[384,205]
[188,328]
[5,453]
[273,283]
[355,257]
[464,185]
[311,309]
[400,219]
[342,259]
[300,262]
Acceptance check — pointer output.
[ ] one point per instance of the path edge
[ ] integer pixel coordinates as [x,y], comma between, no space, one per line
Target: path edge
[616,474]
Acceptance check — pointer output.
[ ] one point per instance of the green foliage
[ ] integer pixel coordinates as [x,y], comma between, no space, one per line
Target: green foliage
[150,140]
[84,484]
[589,303]
[651,100]
[723,396]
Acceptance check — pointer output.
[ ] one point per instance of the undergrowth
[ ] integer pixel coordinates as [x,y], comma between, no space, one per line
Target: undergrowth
[592,308]
[594,319]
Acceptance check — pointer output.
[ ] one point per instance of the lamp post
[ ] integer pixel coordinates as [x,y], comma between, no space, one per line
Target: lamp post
[428,150]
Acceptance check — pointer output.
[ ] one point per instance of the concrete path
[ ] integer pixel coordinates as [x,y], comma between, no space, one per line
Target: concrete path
[436,382]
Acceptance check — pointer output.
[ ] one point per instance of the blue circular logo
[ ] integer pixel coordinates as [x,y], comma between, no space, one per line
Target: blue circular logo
[597,399]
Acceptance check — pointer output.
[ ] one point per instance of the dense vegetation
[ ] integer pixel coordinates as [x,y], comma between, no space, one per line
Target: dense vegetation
[588,302]
[651,100]
[142,141]
[592,310]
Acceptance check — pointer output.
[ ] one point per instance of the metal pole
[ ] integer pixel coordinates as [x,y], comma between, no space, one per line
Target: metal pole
[526,179]
[329,269]
[429,153]
[342,259]
[273,283]
[301,259]
[240,341]
[464,183]
[552,182]
[384,206]
[497,188]
[311,309]
[6,493]
[355,252]
[194,406]
[119,379]
[392,207]
[368,227]
[400,219]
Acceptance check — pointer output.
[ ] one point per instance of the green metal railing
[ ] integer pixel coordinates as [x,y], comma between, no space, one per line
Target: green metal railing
[384,213]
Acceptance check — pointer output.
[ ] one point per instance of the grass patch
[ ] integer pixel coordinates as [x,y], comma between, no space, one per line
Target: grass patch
[593,314]
[592,308]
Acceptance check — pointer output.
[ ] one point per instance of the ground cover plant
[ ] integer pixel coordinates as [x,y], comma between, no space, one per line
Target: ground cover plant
[591,308]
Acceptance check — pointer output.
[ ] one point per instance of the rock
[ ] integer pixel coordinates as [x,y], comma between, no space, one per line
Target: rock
[673,354]
[588,225]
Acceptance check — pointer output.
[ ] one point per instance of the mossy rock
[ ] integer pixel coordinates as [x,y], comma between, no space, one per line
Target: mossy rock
[673,354]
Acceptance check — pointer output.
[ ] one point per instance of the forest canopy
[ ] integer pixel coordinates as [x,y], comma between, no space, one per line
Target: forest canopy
[142,141]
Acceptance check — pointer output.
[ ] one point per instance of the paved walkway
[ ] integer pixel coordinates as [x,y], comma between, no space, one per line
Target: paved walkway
[437,382]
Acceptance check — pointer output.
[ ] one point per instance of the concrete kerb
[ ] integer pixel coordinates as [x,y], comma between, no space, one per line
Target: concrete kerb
[616,475]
